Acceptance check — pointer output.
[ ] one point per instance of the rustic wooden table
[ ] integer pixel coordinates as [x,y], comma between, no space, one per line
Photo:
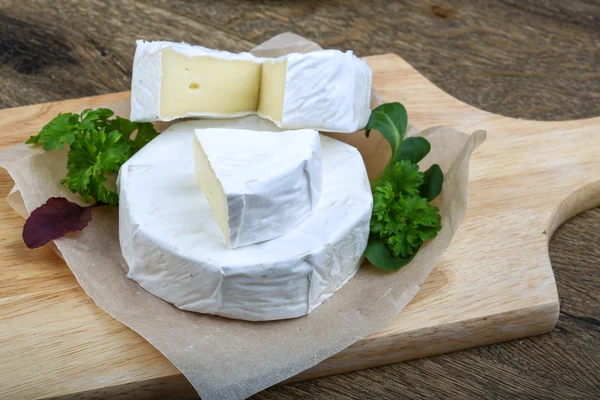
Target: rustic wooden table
[521,58]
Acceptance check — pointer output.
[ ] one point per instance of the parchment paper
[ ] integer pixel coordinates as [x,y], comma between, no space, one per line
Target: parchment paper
[229,359]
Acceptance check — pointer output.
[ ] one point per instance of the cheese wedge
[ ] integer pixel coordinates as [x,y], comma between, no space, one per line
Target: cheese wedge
[173,245]
[324,90]
[175,80]
[260,185]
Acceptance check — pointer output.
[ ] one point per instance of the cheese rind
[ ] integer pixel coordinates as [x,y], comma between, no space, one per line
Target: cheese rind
[174,247]
[260,185]
[325,90]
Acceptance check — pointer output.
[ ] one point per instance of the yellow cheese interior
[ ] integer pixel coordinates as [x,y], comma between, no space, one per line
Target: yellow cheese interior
[211,187]
[272,88]
[206,84]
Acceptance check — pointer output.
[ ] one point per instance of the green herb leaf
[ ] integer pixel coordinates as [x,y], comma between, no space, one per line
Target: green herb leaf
[390,120]
[92,156]
[416,221]
[379,255]
[145,134]
[33,139]
[413,149]
[402,218]
[57,132]
[405,178]
[91,118]
[99,146]
[124,126]
[432,183]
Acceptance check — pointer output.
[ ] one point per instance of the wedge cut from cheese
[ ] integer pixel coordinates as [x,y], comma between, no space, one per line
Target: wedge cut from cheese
[174,248]
[260,185]
[325,90]
[175,80]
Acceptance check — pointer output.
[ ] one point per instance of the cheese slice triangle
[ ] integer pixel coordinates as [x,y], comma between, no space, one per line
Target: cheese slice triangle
[260,185]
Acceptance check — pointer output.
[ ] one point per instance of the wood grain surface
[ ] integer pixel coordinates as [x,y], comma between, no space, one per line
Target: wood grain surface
[530,59]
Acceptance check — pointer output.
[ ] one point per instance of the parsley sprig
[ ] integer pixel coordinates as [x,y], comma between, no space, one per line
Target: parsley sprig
[98,147]
[403,218]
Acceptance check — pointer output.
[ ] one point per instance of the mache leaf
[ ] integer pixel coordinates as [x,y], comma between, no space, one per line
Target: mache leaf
[390,120]
[432,183]
[413,149]
[379,255]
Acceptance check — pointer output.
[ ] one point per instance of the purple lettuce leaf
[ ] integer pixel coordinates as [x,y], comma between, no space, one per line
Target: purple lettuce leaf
[54,219]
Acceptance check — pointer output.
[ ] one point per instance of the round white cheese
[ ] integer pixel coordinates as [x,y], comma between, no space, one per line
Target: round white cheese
[174,247]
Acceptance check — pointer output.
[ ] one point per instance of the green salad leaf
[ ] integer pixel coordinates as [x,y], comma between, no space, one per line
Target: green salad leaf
[413,149]
[391,120]
[98,147]
[57,132]
[433,180]
[403,218]
[378,253]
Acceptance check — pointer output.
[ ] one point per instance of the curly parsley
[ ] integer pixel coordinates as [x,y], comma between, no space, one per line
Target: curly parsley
[401,217]
[98,148]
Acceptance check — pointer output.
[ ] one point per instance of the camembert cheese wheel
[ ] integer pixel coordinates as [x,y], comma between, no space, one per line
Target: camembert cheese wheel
[173,245]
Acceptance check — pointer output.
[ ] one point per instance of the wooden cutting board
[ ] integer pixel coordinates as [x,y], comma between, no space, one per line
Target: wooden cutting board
[494,283]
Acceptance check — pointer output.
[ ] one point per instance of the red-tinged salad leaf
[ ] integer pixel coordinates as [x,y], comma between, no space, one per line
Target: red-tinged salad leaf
[54,219]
